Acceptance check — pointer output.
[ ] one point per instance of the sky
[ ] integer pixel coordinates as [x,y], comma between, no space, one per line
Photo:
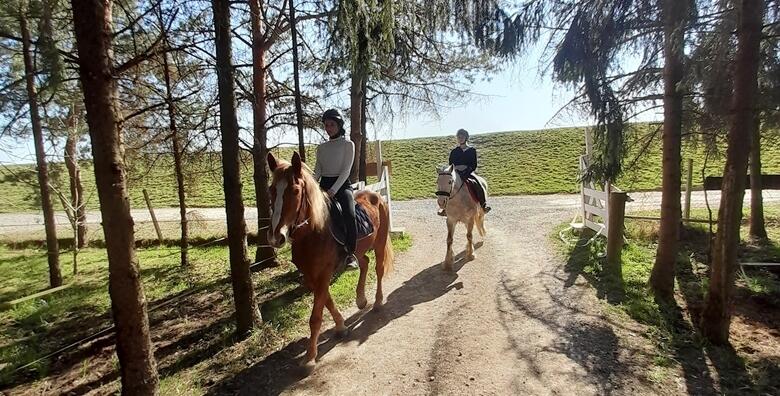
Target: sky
[518,98]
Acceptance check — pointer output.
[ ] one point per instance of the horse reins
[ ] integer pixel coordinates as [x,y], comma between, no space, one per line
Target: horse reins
[304,201]
[450,194]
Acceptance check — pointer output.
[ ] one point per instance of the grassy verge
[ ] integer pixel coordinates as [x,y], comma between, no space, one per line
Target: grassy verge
[751,364]
[521,162]
[37,327]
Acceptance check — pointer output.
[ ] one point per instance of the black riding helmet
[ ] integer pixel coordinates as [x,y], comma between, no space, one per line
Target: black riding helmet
[463,132]
[333,114]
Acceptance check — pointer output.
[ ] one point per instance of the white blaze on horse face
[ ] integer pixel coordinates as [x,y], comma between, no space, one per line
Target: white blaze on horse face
[444,184]
[281,186]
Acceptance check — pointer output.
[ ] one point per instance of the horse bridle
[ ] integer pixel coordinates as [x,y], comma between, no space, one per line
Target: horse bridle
[301,213]
[449,194]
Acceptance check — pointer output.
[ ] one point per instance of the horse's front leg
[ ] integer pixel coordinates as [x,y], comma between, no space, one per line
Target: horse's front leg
[341,329]
[450,232]
[315,323]
[470,239]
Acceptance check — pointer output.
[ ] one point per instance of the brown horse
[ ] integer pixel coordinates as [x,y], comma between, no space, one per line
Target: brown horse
[300,213]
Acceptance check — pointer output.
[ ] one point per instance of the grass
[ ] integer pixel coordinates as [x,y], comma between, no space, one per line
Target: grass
[522,162]
[745,368]
[32,329]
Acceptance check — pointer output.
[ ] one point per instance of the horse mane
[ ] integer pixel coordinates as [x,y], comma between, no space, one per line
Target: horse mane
[318,201]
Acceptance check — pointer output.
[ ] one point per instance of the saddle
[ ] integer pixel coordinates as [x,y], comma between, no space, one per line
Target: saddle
[472,184]
[338,226]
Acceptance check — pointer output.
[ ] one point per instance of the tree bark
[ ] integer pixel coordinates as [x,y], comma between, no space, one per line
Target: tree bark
[716,316]
[362,160]
[76,188]
[757,225]
[265,253]
[177,154]
[296,78]
[356,123]
[243,293]
[93,30]
[662,277]
[52,245]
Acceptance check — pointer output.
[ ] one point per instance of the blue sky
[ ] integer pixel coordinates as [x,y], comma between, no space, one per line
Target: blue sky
[518,98]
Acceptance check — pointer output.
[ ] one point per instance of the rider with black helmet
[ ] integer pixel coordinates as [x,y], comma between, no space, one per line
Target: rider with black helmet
[332,170]
[464,158]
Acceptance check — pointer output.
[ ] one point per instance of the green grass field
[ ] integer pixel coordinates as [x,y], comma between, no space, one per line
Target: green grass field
[526,162]
[745,369]
[36,327]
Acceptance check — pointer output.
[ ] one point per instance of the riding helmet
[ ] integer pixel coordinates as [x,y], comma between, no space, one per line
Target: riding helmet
[462,132]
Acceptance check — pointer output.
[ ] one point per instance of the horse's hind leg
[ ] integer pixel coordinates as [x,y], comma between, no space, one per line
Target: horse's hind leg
[448,257]
[360,294]
[315,323]
[380,273]
[470,239]
[341,330]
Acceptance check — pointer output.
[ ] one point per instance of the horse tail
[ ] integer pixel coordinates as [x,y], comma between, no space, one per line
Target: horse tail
[481,223]
[383,245]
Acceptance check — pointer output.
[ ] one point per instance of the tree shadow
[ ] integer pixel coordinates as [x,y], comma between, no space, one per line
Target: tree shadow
[592,345]
[608,284]
[280,370]
[691,349]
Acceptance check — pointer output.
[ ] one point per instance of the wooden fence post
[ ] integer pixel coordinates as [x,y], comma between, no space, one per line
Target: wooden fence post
[154,218]
[617,212]
[688,189]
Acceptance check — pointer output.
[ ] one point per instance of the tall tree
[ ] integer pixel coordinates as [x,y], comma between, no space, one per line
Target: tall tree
[757,224]
[176,142]
[52,245]
[716,316]
[243,293]
[92,22]
[78,202]
[674,14]
[265,253]
[297,81]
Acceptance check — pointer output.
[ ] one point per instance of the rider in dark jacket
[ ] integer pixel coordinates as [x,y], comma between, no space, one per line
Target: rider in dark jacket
[464,158]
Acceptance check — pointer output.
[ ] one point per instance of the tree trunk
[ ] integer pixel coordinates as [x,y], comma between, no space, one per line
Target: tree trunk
[52,245]
[93,29]
[363,121]
[356,123]
[265,253]
[177,154]
[662,277]
[757,226]
[716,316]
[296,78]
[76,189]
[243,293]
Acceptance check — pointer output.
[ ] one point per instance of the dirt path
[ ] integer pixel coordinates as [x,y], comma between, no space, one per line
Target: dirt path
[510,322]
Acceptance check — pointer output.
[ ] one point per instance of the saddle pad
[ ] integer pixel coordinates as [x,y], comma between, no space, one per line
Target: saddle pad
[470,186]
[338,227]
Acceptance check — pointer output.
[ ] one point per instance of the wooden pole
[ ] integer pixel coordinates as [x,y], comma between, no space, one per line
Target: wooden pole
[154,218]
[688,190]
[378,153]
[617,212]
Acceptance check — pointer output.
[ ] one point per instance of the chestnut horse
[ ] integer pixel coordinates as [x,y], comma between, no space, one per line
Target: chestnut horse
[300,213]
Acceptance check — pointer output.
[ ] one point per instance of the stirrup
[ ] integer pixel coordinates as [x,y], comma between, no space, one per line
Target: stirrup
[351,262]
[442,212]
[486,209]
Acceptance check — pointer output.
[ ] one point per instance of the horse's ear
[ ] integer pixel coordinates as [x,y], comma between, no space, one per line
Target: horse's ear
[450,168]
[271,161]
[297,164]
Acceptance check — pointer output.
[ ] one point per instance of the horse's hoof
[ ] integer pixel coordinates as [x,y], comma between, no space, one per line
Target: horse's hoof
[470,257]
[341,333]
[307,366]
[378,305]
[361,302]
